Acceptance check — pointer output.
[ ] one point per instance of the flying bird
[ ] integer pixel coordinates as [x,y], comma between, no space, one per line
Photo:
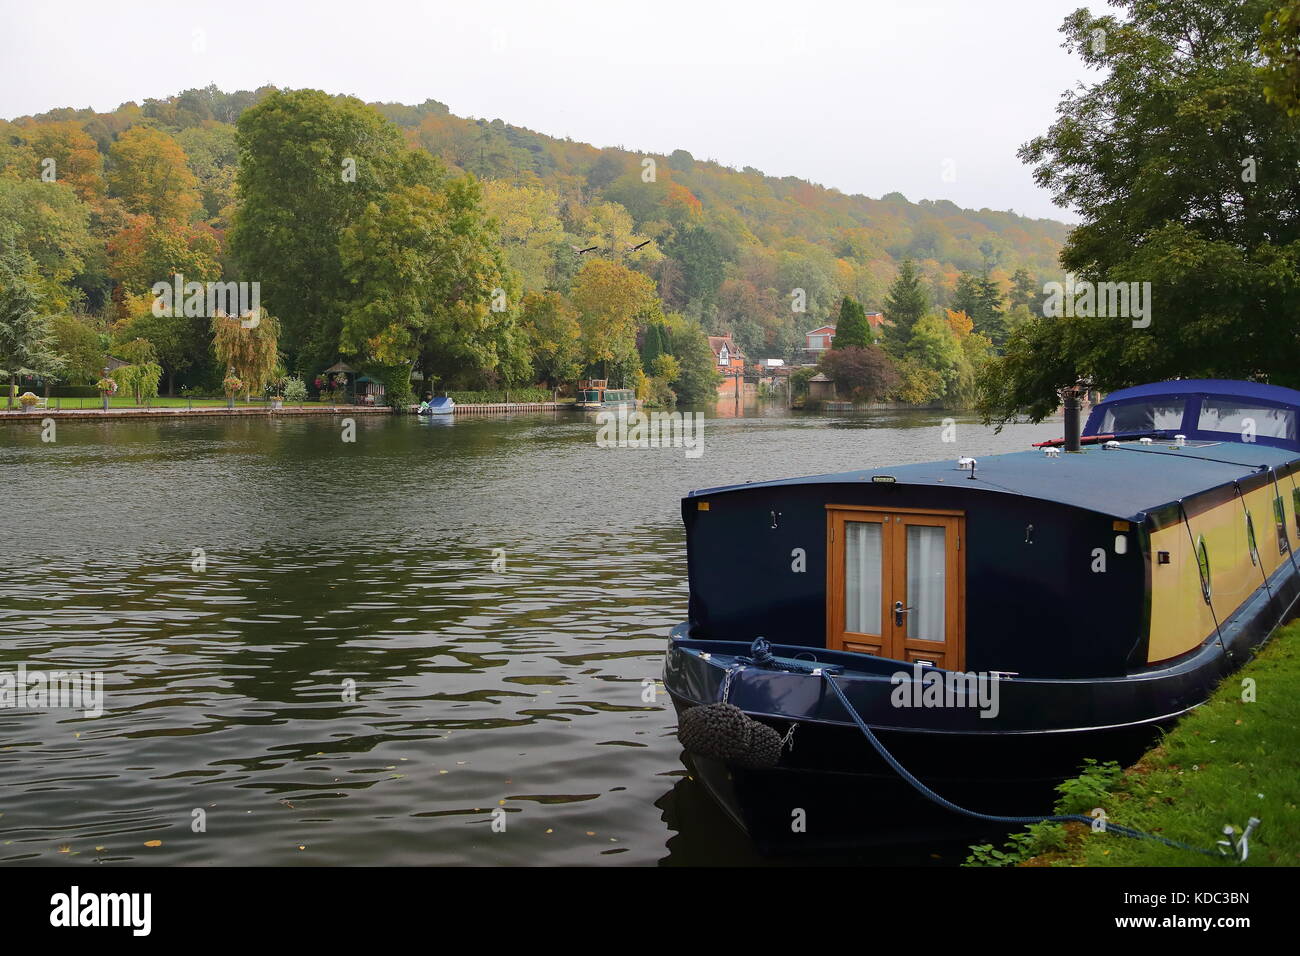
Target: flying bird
[581,251]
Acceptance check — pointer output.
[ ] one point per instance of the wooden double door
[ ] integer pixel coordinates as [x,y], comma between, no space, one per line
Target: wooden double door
[896,584]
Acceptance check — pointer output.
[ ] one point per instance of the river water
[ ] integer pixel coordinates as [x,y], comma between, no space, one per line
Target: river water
[324,652]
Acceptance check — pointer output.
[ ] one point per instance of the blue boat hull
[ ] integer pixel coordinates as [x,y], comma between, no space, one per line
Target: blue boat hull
[1005,765]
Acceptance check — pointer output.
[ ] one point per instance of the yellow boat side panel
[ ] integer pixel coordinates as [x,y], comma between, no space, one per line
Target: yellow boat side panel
[1180,618]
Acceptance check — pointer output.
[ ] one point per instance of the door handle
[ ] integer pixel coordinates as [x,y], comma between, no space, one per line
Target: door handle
[899,611]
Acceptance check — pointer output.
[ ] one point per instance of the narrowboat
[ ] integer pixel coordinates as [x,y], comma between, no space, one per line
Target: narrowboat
[596,393]
[993,622]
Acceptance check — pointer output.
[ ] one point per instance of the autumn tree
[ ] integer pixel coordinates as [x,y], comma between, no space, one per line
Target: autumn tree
[151,176]
[147,251]
[608,297]
[77,160]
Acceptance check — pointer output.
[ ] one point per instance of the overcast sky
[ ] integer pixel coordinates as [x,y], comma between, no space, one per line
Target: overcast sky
[871,97]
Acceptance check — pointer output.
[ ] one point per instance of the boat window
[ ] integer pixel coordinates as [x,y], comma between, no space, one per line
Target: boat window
[1295,509]
[1231,416]
[1203,566]
[926,588]
[863,556]
[1144,416]
[1279,520]
[1250,539]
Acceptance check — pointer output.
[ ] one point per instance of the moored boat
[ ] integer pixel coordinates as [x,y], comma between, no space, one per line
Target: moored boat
[596,393]
[993,622]
[440,405]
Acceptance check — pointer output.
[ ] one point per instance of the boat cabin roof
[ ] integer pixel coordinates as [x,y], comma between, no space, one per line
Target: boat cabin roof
[1126,482]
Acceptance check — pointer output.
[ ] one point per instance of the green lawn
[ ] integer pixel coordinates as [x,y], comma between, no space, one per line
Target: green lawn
[1227,761]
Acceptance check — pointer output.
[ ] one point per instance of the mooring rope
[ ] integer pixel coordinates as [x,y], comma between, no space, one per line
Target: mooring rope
[761,656]
[992,818]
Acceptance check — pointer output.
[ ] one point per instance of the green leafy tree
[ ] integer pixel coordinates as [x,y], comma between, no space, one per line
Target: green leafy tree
[1182,172]
[179,343]
[697,375]
[554,336]
[46,224]
[934,346]
[1281,46]
[139,381]
[427,279]
[213,156]
[703,265]
[1024,292]
[532,233]
[310,165]
[80,346]
[653,345]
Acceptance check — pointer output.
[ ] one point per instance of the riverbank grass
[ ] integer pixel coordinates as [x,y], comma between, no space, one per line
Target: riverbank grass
[1235,757]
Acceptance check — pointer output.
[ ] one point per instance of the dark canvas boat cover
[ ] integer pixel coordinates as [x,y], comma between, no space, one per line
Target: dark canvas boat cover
[1122,482]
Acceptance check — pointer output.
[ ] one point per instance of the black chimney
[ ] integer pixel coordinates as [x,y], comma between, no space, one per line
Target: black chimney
[1072,427]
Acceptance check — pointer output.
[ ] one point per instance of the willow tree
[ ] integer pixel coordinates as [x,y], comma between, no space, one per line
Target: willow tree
[140,381]
[249,347]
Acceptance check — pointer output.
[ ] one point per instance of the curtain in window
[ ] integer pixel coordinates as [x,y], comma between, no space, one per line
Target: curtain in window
[862,577]
[926,557]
